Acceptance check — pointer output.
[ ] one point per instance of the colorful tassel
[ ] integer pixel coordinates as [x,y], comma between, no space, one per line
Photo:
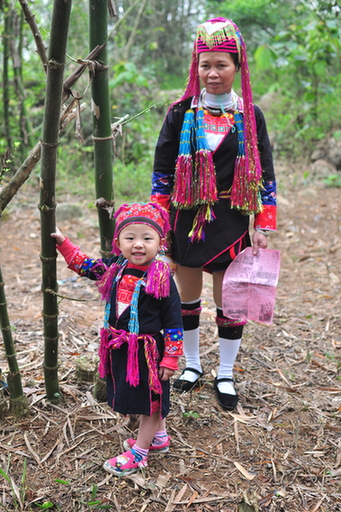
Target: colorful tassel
[106,282]
[151,354]
[204,216]
[133,373]
[183,184]
[158,278]
[103,352]
[112,339]
[195,179]
[205,176]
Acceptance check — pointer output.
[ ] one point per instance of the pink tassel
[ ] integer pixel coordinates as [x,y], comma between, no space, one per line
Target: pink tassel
[103,352]
[238,185]
[133,375]
[206,179]
[105,283]
[183,186]
[158,279]
[152,355]
[244,193]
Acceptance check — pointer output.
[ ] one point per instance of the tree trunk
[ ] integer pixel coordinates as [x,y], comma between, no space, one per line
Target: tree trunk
[102,136]
[25,125]
[131,39]
[5,80]
[49,145]
[18,401]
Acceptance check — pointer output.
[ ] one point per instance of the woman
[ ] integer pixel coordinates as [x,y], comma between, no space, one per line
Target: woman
[213,169]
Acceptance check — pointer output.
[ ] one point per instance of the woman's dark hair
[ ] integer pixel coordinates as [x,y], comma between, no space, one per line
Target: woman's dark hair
[235,59]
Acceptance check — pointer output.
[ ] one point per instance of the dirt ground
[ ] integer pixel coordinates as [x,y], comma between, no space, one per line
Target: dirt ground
[279,451]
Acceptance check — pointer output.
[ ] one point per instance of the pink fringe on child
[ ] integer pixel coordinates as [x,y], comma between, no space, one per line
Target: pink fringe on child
[158,279]
[113,339]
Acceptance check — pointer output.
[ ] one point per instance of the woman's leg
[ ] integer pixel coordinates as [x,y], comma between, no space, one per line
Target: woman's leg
[189,283]
[229,335]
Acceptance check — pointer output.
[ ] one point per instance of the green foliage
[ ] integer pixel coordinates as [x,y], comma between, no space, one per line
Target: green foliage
[294,54]
[46,505]
[333,180]
[132,182]
[18,493]
[191,415]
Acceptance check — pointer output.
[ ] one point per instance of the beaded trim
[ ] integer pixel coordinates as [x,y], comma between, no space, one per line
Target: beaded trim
[229,322]
[191,312]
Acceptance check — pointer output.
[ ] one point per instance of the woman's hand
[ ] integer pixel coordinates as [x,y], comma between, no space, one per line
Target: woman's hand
[165,373]
[259,241]
[58,235]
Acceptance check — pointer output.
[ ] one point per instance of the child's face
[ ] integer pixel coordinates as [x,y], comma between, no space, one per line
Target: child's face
[139,243]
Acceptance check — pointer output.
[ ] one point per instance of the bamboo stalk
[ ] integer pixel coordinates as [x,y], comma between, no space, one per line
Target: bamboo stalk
[102,135]
[49,146]
[18,401]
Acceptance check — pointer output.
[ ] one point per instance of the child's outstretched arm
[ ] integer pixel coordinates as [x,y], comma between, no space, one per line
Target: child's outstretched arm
[76,260]
[58,235]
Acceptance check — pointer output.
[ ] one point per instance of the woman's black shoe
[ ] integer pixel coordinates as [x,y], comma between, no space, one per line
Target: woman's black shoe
[228,402]
[186,385]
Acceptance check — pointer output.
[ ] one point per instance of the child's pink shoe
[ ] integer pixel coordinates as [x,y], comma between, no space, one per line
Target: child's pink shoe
[155,449]
[126,463]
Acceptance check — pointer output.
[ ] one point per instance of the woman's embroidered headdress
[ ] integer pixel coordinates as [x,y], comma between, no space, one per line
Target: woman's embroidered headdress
[195,179]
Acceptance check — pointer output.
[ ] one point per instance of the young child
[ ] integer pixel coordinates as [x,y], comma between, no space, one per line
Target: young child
[136,358]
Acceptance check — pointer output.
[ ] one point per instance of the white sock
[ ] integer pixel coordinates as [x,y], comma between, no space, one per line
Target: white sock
[191,350]
[228,353]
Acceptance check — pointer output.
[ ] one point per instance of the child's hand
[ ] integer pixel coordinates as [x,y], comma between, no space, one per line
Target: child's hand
[58,235]
[165,373]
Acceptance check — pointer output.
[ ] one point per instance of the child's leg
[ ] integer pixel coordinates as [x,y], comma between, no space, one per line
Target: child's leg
[136,456]
[160,443]
[147,430]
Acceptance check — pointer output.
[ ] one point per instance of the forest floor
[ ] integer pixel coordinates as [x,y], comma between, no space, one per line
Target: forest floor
[280,450]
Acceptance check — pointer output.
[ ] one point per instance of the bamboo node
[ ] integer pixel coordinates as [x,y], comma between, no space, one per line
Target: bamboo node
[50,367]
[55,64]
[102,138]
[49,144]
[49,317]
[45,208]
[46,259]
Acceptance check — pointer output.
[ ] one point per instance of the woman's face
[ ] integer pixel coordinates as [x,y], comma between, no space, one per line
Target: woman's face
[217,71]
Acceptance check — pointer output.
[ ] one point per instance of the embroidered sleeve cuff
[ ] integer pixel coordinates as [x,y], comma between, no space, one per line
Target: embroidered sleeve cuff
[170,362]
[266,219]
[74,257]
[162,200]
[173,342]
[68,250]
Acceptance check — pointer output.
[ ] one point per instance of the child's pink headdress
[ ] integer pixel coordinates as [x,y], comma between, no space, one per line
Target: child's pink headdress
[151,214]
[158,274]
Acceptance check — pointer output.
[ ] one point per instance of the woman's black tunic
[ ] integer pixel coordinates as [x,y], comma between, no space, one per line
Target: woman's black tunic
[230,228]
